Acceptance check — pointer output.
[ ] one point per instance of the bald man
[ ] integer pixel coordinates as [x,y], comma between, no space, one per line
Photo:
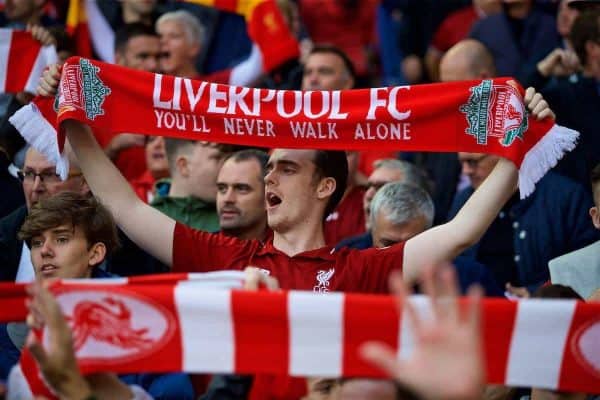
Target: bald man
[468,59]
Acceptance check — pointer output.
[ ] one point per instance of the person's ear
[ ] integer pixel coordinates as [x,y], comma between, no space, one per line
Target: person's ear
[326,188]
[97,254]
[182,166]
[349,82]
[119,58]
[595,214]
[194,50]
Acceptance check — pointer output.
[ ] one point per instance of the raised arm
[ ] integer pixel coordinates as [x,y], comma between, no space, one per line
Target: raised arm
[443,243]
[147,227]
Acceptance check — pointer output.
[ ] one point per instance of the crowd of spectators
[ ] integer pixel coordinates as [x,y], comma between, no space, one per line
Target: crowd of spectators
[140,204]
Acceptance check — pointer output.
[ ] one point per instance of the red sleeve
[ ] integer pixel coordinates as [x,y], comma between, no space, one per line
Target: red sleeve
[199,251]
[442,37]
[367,159]
[375,265]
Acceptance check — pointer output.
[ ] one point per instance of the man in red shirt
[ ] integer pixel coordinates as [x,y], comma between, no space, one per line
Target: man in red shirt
[301,187]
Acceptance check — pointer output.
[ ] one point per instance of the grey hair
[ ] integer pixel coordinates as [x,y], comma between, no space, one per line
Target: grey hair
[194,30]
[402,202]
[411,174]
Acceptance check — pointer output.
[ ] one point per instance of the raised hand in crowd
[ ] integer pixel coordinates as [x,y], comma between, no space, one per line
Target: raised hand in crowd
[123,141]
[42,35]
[56,359]
[518,292]
[254,278]
[559,63]
[49,81]
[447,361]
[537,105]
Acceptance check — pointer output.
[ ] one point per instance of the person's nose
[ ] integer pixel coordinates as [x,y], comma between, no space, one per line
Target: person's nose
[229,196]
[38,184]
[46,250]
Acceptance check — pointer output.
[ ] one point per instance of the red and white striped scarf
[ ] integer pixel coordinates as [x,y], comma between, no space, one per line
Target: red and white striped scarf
[22,61]
[25,379]
[183,325]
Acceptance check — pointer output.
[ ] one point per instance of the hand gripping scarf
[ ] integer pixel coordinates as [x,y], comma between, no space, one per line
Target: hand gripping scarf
[485,116]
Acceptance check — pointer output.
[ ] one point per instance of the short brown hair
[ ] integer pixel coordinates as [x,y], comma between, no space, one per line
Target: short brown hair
[84,211]
[325,48]
[585,28]
[332,164]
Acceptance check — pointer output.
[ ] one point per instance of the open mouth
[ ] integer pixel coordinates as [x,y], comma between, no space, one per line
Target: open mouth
[272,200]
[48,269]
[229,212]
[165,56]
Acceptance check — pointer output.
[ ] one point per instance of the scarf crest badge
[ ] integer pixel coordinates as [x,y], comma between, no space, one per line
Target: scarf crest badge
[112,327]
[93,91]
[503,102]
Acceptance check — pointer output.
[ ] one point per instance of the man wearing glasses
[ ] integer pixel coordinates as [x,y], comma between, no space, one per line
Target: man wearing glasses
[39,181]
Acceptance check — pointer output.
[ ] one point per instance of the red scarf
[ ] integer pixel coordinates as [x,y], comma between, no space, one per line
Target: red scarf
[478,116]
[22,61]
[161,324]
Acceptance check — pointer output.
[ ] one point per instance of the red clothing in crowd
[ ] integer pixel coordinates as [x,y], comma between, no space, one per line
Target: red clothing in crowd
[131,162]
[352,30]
[348,218]
[367,159]
[143,186]
[320,270]
[454,28]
